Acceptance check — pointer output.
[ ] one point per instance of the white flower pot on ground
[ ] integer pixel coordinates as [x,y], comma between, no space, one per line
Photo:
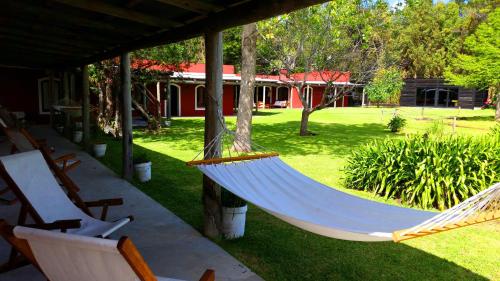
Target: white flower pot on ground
[77,136]
[233,222]
[99,149]
[143,171]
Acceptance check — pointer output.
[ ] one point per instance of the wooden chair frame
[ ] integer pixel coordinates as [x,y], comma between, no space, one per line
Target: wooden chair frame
[125,246]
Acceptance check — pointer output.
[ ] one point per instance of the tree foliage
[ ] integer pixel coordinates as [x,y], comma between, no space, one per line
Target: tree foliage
[478,65]
[427,36]
[385,87]
[345,36]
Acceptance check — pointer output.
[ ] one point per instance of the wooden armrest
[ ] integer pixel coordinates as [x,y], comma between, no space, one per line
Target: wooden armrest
[105,203]
[65,157]
[41,142]
[209,275]
[63,225]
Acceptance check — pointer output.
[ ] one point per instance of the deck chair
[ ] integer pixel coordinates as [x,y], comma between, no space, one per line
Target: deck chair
[43,199]
[31,180]
[23,141]
[62,257]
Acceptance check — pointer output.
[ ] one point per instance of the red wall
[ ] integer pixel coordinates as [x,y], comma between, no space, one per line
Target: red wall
[19,92]
[188,99]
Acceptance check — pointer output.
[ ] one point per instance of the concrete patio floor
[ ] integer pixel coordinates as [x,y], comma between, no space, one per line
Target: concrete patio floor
[171,247]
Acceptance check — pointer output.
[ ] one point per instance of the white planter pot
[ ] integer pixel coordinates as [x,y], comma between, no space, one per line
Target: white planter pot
[233,222]
[77,136]
[99,149]
[143,171]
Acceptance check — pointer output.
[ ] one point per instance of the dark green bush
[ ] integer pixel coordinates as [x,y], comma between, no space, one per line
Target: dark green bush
[428,172]
[396,124]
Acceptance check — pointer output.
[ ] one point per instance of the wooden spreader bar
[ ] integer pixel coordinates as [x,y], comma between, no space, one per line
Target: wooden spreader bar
[397,237]
[231,159]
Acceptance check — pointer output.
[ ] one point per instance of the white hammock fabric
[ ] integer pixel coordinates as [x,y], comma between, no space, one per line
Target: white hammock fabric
[277,188]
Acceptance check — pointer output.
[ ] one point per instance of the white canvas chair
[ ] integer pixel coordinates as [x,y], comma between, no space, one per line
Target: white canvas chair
[63,257]
[29,177]
[23,141]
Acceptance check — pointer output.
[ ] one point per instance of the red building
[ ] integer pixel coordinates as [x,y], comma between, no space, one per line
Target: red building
[271,91]
[187,90]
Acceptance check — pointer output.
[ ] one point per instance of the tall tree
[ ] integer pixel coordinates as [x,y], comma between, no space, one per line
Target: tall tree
[478,66]
[333,40]
[245,104]
[427,36]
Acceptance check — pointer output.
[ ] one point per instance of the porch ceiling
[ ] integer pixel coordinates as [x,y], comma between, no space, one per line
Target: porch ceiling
[60,33]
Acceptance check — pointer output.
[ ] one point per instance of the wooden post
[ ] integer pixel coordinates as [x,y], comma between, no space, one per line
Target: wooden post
[213,105]
[169,99]
[85,107]
[335,94]
[363,98]
[158,98]
[51,97]
[66,87]
[127,153]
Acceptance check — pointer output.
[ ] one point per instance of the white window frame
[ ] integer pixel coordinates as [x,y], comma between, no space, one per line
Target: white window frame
[40,99]
[196,97]
[308,90]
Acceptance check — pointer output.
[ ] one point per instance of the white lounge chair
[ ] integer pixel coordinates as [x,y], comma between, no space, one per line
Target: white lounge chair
[29,177]
[63,257]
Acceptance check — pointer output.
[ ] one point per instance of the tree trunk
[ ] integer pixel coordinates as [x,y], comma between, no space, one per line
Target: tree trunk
[304,122]
[242,140]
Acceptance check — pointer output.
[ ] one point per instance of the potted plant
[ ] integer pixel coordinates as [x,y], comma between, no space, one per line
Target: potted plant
[99,148]
[396,123]
[234,211]
[142,168]
[77,136]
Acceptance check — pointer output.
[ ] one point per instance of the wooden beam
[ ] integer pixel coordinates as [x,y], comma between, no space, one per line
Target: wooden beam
[119,12]
[85,107]
[42,39]
[43,13]
[127,153]
[250,11]
[212,221]
[201,7]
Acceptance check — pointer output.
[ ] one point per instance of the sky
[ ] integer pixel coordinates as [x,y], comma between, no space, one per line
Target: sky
[393,3]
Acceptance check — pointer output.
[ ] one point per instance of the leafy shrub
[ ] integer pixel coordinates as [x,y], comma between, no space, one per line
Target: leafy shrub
[428,172]
[396,123]
[436,128]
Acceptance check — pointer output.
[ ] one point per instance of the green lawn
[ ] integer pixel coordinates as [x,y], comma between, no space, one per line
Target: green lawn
[278,251]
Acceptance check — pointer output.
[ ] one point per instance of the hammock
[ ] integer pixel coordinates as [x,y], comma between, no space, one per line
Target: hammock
[272,185]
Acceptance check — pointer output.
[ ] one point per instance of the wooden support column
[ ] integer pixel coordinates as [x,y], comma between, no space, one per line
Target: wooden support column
[52,98]
[169,99]
[85,107]
[127,169]
[212,221]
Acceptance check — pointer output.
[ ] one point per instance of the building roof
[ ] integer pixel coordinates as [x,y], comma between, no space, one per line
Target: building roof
[61,33]
[196,73]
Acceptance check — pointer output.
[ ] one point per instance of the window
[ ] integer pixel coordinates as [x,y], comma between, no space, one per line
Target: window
[44,97]
[199,97]
[308,92]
